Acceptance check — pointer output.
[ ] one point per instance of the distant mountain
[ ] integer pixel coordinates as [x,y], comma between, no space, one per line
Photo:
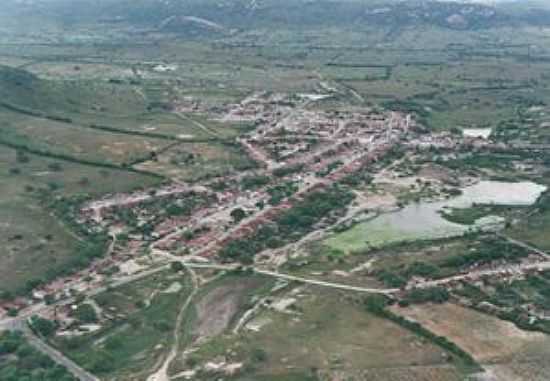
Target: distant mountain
[219,16]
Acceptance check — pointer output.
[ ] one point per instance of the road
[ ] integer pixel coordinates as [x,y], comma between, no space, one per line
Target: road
[198,124]
[474,275]
[339,286]
[162,373]
[293,278]
[13,323]
[56,356]
[19,323]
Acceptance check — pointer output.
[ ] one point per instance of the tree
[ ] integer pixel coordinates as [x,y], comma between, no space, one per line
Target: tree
[22,157]
[49,299]
[56,167]
[43,326]
[238,215]
[260,205]
[176,266]
[86,313]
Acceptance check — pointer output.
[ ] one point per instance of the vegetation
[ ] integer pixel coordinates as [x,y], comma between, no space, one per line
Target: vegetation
[290,225]
[453,256]
[20,362]
[254,182]
[134,310]
[288,170]
[85,313]
[492,249]
[468,216]
[43,327]
[425,295]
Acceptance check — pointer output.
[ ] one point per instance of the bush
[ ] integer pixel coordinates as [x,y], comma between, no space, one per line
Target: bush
[391,279]
[428,295]
[85,313]
[288,170]
[238,215]
[43,327]
[177,266]
[253,182]
[259,355]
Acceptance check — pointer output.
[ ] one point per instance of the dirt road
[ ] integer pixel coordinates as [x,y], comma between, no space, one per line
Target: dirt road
[162,373]
[475,275]
[57,356]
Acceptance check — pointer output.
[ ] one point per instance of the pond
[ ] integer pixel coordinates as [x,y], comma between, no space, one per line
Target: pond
[424,221]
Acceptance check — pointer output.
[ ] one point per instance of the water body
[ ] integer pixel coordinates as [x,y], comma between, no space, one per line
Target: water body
[477,132]
[424,221]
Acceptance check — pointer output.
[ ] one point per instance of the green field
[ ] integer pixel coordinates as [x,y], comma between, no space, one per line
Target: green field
[35,241]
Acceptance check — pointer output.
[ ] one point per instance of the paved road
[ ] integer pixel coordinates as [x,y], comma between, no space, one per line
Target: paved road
[18,323]
[56,356]
[14,323]
[339,286]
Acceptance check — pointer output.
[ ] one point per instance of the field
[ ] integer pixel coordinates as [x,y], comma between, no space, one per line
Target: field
[534,228]
[322,330]
[194,161]
[82,143]
[511,353]
[35,242]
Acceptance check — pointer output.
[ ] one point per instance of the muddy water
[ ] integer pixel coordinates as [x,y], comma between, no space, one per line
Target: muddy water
[424,221]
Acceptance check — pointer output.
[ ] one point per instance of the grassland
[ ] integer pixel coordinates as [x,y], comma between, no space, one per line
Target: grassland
[324,331]
[534,228]
[194,161]
[35,241]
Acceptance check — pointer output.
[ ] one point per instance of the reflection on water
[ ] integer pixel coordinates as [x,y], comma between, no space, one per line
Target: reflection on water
[424,221]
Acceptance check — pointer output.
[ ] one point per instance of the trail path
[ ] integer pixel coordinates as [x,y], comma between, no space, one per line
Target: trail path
[162,373]
[198,124]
